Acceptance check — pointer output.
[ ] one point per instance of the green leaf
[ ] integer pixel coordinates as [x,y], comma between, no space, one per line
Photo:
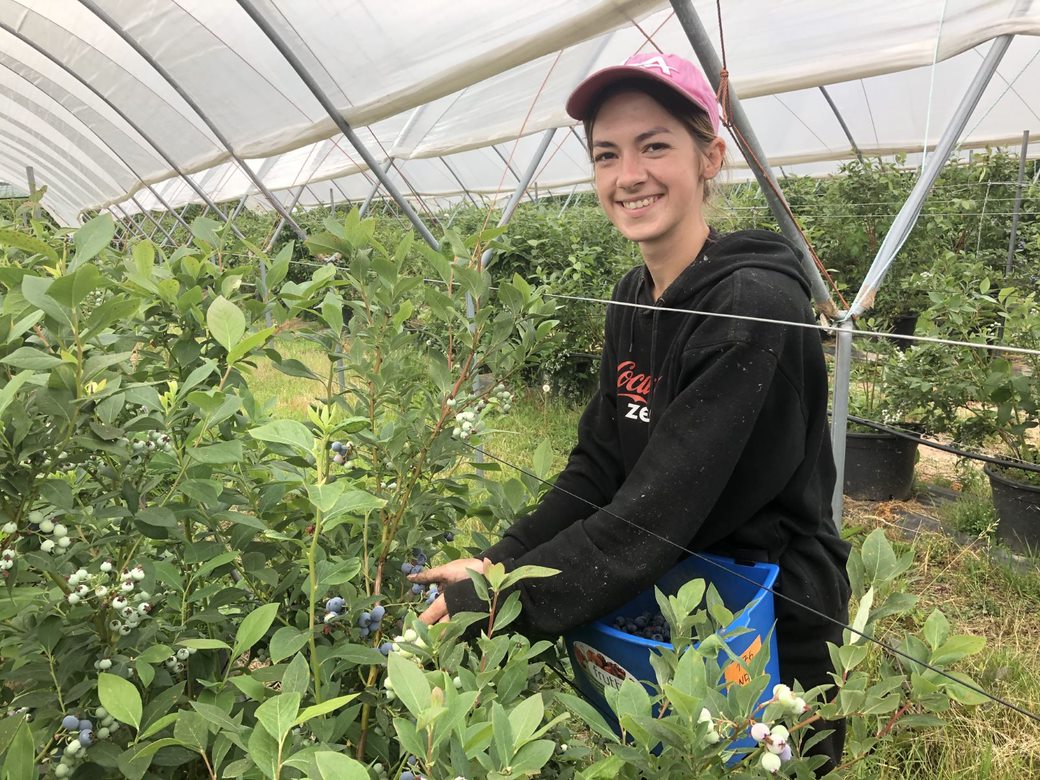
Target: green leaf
[879,560]
[543,457]
[71,289]
[18,763]
[290,432]
[862,614]
[120,698]
[410,684]
[31,358]
[286,641]
[253,627]
[27,243]
[324,708]
[337,766]
[297,676]
[263,750]
[524,719]
[204,644]
[215,454]
[191,729]
[216,716]
[936,629]
[528,573]
[278,714]
[158,516]
[957,647]
[9,390]
[226,322]
[249,343]
[252,688]
[93,237]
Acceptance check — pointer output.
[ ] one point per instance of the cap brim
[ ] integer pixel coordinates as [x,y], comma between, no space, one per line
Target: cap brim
[584,95]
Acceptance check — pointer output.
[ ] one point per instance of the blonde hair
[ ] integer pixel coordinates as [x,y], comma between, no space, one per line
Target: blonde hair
[694,118]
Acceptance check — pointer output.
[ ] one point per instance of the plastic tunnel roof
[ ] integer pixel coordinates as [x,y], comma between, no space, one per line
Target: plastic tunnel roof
[434,85]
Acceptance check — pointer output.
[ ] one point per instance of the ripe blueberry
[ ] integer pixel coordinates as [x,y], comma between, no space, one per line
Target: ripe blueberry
[70,722]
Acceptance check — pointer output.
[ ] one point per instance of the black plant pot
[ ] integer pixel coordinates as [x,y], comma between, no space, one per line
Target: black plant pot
[1018,510]
[879,466]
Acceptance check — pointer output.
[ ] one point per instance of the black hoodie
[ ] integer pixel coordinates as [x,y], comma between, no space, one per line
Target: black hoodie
[712,433]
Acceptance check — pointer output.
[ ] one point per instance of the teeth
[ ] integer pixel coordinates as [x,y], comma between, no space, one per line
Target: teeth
[638,204]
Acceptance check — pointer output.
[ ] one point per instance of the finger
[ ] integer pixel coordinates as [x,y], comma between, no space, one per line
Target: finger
[427,575]
[444,619]
[437,611]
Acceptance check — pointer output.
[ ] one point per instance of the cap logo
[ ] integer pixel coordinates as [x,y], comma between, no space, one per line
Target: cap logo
[656,62]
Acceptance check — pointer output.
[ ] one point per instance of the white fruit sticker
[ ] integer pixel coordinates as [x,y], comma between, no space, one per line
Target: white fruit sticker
[601,669]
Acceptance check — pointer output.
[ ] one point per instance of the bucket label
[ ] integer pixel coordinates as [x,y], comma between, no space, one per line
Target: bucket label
[734,673]
[601,669]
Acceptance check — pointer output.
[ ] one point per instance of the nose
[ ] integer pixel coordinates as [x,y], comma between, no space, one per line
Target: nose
[631,171]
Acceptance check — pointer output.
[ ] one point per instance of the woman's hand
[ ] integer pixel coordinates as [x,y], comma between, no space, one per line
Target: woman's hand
[446,574]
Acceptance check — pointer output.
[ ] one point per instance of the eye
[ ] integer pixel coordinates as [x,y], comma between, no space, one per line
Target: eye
[656,146]
[603,156]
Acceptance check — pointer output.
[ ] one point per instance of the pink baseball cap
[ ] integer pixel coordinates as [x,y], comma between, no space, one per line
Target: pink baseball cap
[669,69]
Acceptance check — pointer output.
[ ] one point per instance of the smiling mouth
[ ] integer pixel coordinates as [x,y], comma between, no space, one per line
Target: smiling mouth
[631,205]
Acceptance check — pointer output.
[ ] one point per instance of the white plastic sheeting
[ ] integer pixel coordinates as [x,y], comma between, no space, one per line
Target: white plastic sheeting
[432,79]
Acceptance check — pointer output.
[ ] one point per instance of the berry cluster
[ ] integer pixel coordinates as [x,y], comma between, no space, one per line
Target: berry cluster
[130,608]
[466,424]
[501,398]
[342,453]
[647,626]
[432,594]
[175,663]
[777,750]
[81,736]
[154,441]
[414,566]
[6,561]
[59,540]
[712,737]
[408,637]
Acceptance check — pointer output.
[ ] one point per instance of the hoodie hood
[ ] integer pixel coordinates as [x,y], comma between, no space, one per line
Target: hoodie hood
[722,256]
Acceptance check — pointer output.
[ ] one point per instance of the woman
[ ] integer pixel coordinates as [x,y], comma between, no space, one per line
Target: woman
[709,432]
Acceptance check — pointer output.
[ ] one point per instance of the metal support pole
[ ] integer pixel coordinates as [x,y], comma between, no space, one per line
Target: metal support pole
[122,115]
[337,117]
[509,166]
[567,202]
[908,213]
[458,181]
[691,24]
[518,193]
[841,121]
[147,57]
[375,187]
[840,413]
[1010,266]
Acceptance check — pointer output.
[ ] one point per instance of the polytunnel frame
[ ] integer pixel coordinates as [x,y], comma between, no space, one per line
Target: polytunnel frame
[753,152]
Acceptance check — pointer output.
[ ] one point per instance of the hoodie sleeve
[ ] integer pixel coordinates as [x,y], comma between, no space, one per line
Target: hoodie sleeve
[593,473]
[729,380]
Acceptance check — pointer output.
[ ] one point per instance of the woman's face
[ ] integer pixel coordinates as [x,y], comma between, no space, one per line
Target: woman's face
[648,170]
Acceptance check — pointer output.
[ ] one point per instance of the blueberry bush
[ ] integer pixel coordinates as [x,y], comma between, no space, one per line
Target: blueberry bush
[193,587]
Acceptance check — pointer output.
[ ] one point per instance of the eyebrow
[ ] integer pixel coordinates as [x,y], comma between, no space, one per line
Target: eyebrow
[646,134]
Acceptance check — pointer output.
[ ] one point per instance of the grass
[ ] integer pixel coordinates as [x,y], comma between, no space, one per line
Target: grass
[977,593]
[289,395]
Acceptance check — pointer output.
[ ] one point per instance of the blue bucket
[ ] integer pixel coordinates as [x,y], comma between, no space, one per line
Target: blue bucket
[605,656]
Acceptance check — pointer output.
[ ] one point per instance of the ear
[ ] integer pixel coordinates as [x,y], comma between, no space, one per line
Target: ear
[713,157]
